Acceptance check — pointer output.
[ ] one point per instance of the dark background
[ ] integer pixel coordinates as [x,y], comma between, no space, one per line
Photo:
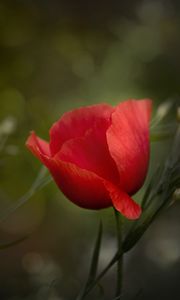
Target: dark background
[55,56]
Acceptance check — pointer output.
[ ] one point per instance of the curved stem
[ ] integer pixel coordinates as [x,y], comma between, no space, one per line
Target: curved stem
[115,258]
[120,260]
[118,257]
[94,264]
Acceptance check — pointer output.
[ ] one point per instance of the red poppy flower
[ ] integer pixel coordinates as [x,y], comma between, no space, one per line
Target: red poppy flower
[98,155]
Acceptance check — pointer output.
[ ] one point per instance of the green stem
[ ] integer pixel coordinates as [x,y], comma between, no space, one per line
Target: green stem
[118,257]
[120,260]
[103,272]
[94,264]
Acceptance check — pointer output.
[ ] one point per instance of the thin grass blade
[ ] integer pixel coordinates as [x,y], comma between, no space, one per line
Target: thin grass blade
[94,263]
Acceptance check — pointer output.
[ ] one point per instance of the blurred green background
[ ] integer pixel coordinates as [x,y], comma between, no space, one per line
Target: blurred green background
[55,56]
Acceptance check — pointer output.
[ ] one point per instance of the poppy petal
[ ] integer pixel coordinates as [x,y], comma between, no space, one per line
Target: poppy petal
[82,187]
[75,123]
[38,146]
[91,153]
[128,141]
[123,202]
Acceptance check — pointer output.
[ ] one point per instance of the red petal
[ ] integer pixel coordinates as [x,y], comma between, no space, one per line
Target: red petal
[75,124]
[82,187]
[37,146]
[128,141]
[91,153]
[123,203]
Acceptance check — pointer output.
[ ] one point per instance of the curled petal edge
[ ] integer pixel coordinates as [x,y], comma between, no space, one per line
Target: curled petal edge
[85,188]
[123,203]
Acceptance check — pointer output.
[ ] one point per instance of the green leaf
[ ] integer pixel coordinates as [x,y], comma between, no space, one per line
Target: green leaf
[160,136]
[162,131]
[153,181]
